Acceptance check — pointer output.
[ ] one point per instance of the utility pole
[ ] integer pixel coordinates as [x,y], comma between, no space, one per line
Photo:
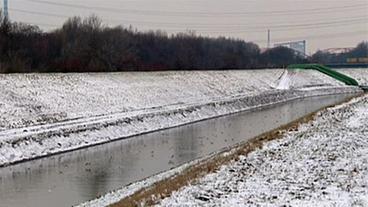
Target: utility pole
[268,39]
[6,12]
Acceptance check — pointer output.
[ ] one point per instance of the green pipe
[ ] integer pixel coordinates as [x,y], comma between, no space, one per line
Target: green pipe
[325,70]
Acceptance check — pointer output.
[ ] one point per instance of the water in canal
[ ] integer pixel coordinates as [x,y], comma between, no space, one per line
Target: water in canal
[75,177]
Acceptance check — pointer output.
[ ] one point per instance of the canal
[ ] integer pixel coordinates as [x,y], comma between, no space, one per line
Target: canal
[74,177]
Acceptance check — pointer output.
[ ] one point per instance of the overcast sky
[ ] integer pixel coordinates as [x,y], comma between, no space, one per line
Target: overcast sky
[323,23]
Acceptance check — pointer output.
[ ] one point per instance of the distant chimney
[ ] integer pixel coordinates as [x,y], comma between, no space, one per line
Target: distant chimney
[6,12]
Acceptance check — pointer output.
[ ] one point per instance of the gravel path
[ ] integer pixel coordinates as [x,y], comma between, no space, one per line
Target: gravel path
[323,163]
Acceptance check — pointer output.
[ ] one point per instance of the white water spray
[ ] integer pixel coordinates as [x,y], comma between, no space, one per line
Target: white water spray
[285,81]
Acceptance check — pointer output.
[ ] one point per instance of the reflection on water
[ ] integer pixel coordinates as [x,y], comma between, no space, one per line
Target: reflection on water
[74,177]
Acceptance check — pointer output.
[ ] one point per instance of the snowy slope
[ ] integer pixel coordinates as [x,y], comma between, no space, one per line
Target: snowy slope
[31,99]
[361,75]
[43,114]
[43,98]
[324,163]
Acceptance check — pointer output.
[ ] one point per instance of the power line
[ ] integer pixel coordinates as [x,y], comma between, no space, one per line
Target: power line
[217,31]
[40,13]
[280,27]
[250,28]
[182,13]
[295,26]
[322,36]
[291,27]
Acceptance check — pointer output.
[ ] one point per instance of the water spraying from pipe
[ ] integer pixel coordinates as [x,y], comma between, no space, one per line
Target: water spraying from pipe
[284,81]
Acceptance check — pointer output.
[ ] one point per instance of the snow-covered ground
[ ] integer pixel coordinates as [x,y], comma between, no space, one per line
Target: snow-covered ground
[323,163]
[361,75]
[43,114]
[32,99]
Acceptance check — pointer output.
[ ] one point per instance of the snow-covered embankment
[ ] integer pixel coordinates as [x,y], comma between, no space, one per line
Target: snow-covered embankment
[43,114]
[323,163]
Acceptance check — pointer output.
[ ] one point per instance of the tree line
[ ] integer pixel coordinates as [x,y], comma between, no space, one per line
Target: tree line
[87,45]
[359,52]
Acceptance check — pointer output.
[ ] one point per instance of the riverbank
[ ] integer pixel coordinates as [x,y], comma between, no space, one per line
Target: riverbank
[321,163]
[44,114]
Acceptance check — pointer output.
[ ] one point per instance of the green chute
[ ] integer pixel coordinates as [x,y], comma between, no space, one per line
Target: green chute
[332,73]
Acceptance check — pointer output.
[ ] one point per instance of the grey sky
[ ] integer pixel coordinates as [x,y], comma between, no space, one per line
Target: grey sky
[343,23]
